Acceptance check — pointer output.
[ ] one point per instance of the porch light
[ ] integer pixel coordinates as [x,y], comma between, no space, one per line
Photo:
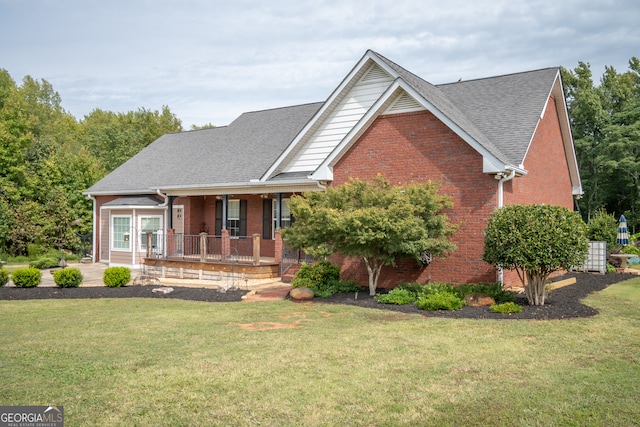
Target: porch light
[126,235]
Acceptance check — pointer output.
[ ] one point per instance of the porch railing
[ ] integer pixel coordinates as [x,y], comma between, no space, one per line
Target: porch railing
[291,257]
[207,248]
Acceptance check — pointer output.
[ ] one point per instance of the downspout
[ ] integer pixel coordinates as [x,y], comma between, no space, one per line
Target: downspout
[502,179]
[164,196]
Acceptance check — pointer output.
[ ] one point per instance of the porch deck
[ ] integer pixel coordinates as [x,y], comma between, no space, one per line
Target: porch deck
[180,268]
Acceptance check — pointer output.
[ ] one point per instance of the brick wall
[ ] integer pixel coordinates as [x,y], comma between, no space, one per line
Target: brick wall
[548,180]
[417,147]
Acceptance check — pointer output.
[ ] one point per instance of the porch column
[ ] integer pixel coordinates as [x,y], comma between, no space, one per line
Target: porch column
[278,210]
[256,249]
[170,245]
[203,247]
[278,247]
[226,244]
[149,242]
[225,202]
[170,210]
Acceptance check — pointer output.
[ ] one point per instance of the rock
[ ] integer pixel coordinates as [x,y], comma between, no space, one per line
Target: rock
[145,281]
[163,291]
[478,300]
[248,295]
[301,294]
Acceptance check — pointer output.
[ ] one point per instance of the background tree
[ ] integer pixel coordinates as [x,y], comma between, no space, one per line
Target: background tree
[372,220]
[48,159]
[535,240]
[113,138]
[605,122]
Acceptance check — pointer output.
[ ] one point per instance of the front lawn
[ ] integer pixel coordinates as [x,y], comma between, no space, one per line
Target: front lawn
[172,362]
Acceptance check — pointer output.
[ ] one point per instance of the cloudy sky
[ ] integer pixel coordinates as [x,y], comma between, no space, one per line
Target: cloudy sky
[209,61]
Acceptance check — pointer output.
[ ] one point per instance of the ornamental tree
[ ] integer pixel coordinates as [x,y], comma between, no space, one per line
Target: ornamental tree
[535,240]
[372,220]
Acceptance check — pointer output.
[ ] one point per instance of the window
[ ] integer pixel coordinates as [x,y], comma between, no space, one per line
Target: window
[233,217]
[121,233]
[150,224]
[285,215]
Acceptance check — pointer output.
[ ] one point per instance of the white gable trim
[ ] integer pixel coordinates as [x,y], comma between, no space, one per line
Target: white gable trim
[565,128]
[354,76]
[491,164]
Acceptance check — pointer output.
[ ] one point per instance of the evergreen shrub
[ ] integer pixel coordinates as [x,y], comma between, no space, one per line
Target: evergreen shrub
[67,277]
[26,277]
[4,277]
[115,277]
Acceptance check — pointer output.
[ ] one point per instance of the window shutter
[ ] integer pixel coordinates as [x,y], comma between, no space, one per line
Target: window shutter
[267,206]
[243,217]
[218,230]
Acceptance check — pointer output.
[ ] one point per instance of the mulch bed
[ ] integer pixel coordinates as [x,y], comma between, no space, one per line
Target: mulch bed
[561,303]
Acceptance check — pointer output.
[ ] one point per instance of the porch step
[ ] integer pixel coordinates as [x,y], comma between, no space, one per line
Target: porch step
[288,275]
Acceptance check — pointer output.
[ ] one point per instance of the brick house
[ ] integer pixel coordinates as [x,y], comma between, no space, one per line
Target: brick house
[219,195]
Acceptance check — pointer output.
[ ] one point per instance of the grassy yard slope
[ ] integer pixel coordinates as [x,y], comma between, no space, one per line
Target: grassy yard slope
[170,362]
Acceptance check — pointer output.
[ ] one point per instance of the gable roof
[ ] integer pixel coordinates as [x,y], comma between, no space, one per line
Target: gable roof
[299,145]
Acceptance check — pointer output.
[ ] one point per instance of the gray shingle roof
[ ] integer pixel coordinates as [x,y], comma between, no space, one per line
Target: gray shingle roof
[506,108]
[237,153]
[134,201]
[500,113]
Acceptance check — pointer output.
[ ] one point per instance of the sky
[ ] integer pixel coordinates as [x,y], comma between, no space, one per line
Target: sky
[210,61]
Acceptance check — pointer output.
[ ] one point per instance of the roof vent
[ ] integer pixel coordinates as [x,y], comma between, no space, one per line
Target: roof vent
[404,104]
[375,73]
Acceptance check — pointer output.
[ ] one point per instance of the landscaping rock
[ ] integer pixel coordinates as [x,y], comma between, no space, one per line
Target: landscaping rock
[163,291]
[478,300]
[301,294]
[143,280]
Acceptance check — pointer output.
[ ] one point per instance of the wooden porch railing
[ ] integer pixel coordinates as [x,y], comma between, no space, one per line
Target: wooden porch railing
[206,248]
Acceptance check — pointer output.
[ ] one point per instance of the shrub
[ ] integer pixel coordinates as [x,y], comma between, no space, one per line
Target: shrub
[414,288]
[494,290]
[67,278]
[611,268]
[535,241]
[302,279]
[631,250]
[324,272]
[46,262]
[603,227]
[397,296]
[440,300]
[115,277]
[35,251]
[4,277]
[506,308]
[323,278]
[26,277]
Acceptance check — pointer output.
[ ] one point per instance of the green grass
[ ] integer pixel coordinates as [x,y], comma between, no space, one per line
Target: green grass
[173,363]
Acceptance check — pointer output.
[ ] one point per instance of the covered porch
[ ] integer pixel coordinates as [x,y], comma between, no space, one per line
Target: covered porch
[211,257]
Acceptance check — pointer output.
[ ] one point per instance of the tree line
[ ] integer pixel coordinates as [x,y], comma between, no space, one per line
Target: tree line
[605,122]
[48,157]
